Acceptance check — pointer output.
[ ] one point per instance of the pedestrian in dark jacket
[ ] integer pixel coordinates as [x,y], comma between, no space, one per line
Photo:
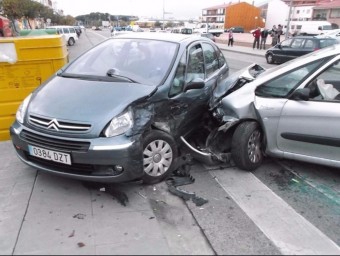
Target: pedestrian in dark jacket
[279,32]
[264,35]
[257,35]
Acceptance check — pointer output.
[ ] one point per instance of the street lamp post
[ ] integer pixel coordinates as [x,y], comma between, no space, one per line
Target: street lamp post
[288,20]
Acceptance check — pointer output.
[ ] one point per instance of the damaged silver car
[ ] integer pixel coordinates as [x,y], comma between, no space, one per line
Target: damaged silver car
[291,111]
[117,112]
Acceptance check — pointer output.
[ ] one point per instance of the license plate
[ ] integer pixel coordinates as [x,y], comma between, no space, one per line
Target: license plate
[51,155]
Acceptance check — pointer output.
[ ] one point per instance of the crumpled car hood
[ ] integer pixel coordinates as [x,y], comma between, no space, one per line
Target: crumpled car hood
[93,102]
[233,82]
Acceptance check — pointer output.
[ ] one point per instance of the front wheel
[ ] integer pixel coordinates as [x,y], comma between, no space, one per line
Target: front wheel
[71,41]
[159,155]
[246,146]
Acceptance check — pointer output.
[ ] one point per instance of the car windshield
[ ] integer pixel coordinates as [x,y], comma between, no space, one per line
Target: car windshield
[135,60]
[283,85]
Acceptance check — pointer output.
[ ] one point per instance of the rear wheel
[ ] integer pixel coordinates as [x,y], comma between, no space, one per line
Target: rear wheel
[246,146]
[71,41]
[159,154]
[270,58]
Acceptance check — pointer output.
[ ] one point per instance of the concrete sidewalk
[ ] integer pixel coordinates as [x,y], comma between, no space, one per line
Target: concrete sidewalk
[243,43]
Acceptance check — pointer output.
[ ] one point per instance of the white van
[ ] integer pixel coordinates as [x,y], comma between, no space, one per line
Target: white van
[68,31]
[311,28]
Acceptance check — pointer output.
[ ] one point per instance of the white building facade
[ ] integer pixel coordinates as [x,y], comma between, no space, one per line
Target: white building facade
[277,13]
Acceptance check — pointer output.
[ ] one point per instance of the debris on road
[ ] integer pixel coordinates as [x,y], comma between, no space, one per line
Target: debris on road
[79,216]
[182,177]
[113,190]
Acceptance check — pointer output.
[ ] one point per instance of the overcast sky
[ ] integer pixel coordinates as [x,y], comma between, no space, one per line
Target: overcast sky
[149,8]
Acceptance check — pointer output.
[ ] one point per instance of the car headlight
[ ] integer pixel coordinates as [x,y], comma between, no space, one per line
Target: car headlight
[119,125]
[21,112]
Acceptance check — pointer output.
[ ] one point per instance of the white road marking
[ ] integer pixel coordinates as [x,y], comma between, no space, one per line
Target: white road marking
[287,229]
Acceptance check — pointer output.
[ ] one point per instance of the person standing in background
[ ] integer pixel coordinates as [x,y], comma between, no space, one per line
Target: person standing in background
[279,32]
[257,35]
[274,35]
[231,37]
[264,35]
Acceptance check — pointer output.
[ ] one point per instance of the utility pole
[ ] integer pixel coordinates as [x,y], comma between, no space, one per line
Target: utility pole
[164,12]
[163,15]
[288,22]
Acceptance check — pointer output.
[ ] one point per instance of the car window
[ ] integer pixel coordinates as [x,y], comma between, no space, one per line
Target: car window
[179,81]
[282,86]
[142,60]
[310,44]
[297,43]
[326,86]
[65,30]
[286,43]
[326,42]
[221,59]
[72,30]
[210,58]
[195,64]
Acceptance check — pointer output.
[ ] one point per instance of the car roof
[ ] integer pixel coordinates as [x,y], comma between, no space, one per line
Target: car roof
[316,55]
[170,37]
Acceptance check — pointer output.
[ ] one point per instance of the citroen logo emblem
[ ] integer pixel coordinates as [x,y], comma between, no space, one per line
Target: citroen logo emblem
[53,124]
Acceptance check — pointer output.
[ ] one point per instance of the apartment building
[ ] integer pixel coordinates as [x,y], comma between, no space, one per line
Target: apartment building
[233,14]
[47,3]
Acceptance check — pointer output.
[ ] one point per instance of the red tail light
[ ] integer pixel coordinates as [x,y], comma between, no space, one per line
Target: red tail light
[315,49]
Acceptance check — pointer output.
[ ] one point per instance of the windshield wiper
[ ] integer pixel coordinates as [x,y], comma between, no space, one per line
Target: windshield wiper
[112,72]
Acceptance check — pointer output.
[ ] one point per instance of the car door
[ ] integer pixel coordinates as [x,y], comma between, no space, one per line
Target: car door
[282,50]
[311,129]
[309,45]
[186,108]
[296,48]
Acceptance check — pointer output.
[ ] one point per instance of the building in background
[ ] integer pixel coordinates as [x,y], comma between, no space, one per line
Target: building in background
[47,3]
[239,14]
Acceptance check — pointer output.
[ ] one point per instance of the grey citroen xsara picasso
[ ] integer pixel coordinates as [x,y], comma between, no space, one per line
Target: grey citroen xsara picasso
[116,113]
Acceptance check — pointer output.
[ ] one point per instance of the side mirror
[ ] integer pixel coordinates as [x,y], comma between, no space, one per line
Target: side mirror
[279,46]
[196,83]
[301,94]
[320,28]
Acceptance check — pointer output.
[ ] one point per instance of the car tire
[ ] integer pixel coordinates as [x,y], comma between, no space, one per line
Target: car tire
[246,146]
[159,155]
[270,58]
[71,41]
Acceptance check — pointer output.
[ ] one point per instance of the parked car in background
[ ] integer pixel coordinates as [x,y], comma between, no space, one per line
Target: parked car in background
[334,33]
[237,29]
[309,28]
[117,112]
[68,31]
[290,111]
[78,30]
[181,30]
[294,47]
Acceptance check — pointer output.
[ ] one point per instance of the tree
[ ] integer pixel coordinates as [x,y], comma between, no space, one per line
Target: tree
[13,8]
